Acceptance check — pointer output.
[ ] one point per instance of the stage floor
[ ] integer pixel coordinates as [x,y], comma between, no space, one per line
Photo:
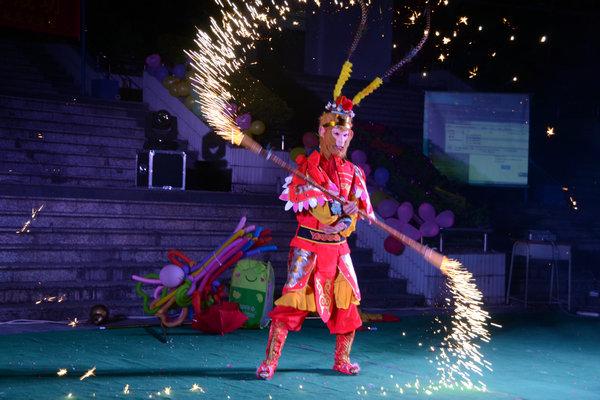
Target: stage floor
[535,356]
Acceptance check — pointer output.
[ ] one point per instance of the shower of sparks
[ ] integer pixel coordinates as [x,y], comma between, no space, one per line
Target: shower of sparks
[550,131]
[88,373]
[197,388]
[473,72]
[62,372]
[220,52]
[52,299]
[441,57]
[26,225]
[446,40]
[414,16]
[459,355]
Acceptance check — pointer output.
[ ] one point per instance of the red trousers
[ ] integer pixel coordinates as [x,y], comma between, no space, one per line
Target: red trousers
[341,321]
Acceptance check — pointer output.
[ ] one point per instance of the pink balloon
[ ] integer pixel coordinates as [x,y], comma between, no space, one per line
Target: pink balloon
[445,219]
[405,212]
[429,229]
[395,223]
[358,157]
[427,212]
[310,140]
[366,169]
[387,208]
[393,246]
[411,232]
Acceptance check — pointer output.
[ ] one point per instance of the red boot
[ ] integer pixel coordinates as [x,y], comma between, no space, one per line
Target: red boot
[343,345]
[277,335]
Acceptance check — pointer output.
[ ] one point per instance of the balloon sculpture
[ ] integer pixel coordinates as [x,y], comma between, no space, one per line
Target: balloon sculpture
[183,281]
[400,216]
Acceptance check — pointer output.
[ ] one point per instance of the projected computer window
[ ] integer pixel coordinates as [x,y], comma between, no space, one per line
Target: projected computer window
[478,138]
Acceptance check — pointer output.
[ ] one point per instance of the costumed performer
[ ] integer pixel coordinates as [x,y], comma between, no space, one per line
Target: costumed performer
[321,277]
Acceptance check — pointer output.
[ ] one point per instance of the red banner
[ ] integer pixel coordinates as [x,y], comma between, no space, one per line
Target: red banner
[56,17]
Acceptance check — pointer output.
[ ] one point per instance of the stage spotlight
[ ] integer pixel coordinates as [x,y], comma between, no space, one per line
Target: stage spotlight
[99,314]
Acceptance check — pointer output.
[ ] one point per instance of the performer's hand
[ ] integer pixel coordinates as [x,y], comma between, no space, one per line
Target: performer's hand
[329,229]
[350,208]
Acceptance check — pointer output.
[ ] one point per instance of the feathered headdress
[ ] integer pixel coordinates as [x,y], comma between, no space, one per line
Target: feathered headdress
[341,104]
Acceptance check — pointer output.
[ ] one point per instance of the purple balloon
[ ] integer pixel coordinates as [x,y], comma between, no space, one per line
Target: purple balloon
[381,176]
[358,157]
[231,108]
[395,223]
[244,121]
[411,231]
[153,61]
[445,219]
[405,212]
[179,71]
[429,229]
[427,212]
[387,208]
[171,275]
[161,73]
[366,169]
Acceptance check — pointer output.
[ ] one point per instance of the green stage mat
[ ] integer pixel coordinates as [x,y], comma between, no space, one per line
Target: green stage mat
[534,357]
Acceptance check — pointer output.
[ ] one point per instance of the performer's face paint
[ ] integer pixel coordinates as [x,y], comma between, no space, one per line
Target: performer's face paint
[334,138]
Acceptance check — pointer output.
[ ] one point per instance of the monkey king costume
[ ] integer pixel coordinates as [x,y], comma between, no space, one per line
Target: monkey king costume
[321,277]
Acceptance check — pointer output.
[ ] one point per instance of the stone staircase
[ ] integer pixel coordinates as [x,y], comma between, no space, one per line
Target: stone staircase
[82,143]
[77,157]
[27,68]
[86,249]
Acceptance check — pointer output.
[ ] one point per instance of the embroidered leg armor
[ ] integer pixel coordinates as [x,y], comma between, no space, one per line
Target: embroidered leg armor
[343,345]
[277,335]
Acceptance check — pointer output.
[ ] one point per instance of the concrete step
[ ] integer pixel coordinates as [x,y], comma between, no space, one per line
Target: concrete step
[46,136]
[25,72]
[76,105]
[68,117]
[166,204]
[183,223]
[109,149]
[100,253]
[67,310]
[37,79]
[6,89]
[60,236]
[371,270]
[98,291]
[406,300]
[123,158]
[57,178]
[80,127]
[60,171]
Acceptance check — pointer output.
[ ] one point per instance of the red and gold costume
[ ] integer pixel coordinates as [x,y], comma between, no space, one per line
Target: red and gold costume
[321,276]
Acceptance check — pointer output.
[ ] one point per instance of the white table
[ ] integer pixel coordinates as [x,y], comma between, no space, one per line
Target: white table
[546,251]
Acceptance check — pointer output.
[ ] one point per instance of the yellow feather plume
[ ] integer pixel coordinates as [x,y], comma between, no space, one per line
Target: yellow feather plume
[342,79]
[371,87]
